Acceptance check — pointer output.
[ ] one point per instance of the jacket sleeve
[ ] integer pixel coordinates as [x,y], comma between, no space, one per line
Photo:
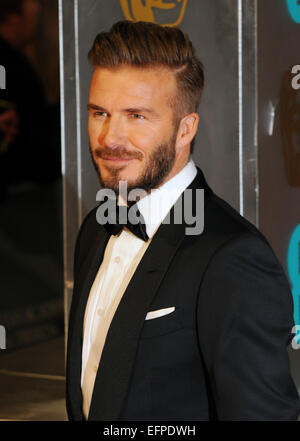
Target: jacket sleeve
[82,244]
[245,321]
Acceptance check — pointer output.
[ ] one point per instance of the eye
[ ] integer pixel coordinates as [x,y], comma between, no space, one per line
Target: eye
[98,113]
[137,116]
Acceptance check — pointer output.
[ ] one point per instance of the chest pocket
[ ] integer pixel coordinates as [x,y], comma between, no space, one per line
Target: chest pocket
[164,324]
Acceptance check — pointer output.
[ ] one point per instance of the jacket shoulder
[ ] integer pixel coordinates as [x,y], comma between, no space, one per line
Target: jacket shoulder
[222,218]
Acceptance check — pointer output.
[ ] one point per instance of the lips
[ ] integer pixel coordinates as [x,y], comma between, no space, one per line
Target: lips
[116,159]
[117,154]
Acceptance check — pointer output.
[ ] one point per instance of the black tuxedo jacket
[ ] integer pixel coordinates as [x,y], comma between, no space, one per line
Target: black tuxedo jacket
[221,355]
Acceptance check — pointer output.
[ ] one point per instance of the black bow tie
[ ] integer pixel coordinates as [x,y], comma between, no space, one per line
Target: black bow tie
[116,224]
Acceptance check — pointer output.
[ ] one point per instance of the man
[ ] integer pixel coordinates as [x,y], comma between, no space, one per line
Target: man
[25,96]
[165,324]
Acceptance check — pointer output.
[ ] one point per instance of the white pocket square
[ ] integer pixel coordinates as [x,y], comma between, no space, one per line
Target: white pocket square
[159,313]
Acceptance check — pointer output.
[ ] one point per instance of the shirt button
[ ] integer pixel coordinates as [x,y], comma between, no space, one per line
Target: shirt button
[95,368]
[100,312]
[117,259]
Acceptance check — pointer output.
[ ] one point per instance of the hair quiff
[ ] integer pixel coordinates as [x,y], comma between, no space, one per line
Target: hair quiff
[144,44]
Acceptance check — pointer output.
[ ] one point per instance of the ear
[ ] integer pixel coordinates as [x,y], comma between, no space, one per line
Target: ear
[187,129]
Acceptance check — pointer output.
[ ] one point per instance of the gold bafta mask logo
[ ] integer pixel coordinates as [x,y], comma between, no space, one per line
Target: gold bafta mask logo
[162,12]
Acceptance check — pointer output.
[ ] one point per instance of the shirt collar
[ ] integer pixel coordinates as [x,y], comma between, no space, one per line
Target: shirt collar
[155,206]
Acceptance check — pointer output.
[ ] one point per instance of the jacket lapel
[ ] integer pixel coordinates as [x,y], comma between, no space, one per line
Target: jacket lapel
[121,343]
[85,280]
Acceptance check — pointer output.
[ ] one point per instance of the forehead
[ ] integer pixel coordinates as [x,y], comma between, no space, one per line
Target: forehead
[149,85]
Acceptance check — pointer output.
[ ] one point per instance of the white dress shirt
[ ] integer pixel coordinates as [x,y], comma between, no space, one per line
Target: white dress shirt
[121,258]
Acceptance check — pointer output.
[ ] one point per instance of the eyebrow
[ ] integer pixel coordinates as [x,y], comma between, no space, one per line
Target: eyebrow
[141,110]
[95,107]
[92,106]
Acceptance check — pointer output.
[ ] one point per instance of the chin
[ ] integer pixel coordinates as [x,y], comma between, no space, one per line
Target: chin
[112,179]
[129,174]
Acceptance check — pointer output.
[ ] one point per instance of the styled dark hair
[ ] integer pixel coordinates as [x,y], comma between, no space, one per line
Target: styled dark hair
[144,44]
[8,7]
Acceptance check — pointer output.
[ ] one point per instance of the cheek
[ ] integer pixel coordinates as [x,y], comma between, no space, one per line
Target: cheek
[93,132]
[145,138]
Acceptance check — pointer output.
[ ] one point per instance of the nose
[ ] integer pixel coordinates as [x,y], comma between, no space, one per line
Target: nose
[113,132]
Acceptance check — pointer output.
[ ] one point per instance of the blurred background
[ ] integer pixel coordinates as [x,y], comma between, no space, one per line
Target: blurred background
[248,146]
[31,240]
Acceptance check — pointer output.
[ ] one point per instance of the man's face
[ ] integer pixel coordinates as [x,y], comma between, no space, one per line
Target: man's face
[131,126]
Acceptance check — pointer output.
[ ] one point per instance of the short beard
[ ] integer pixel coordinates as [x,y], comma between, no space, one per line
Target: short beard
[155,170]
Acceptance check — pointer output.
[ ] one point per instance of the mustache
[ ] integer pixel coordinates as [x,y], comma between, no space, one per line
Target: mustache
[117,152]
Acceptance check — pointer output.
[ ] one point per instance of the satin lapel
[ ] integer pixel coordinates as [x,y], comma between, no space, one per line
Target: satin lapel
[81,292]
[118,354]
[121,342]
